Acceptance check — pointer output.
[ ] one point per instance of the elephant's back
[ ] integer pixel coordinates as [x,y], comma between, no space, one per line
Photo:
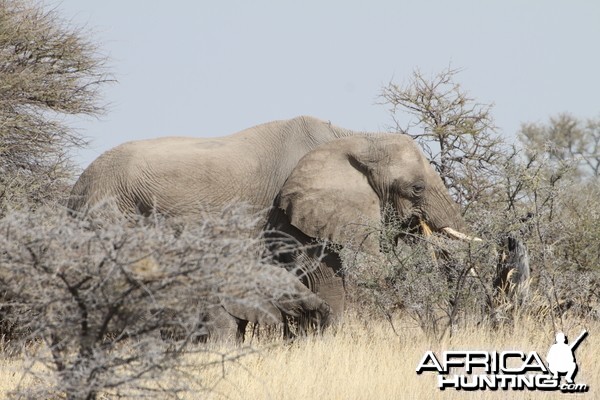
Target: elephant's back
[182,155]
[303,132]
[268,131]
[177,146]
[173,145]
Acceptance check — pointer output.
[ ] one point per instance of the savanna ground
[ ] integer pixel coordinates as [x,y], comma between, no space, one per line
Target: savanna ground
[362,360]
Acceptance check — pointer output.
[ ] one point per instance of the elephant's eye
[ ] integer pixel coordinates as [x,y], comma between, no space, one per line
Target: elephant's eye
[418,188]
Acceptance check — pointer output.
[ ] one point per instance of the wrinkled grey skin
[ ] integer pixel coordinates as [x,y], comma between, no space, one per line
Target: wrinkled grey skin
[320,180]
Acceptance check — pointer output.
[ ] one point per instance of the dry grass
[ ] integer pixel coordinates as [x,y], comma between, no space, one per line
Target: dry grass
[366,361]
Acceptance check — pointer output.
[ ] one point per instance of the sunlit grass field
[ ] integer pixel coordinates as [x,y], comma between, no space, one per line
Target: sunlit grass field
[363,361]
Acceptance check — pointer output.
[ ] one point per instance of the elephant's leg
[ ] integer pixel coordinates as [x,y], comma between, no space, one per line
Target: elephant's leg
[241,330]
[287,331]
[222,326]
[330,288]
[325,279]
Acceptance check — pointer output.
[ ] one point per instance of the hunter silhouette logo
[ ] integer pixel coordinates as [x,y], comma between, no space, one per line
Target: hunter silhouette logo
[561,356]
[508,370]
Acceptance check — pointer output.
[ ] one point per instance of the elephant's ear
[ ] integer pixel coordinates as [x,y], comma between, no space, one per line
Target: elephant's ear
[328,196]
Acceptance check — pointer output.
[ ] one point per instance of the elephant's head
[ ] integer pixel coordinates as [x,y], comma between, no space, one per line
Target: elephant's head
[350,180]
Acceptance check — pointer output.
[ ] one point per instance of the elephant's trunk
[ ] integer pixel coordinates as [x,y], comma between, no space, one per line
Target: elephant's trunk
[443,215]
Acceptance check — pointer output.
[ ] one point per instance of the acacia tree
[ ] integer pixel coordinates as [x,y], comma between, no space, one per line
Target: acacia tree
[48,69]
[457,133]
[565,140]
[559,181]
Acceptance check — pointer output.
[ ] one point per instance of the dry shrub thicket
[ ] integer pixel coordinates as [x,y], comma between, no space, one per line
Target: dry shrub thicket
[116,306]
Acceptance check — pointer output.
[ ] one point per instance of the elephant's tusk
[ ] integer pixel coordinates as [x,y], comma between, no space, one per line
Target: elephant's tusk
[427,232]
[426,229]
[460,236]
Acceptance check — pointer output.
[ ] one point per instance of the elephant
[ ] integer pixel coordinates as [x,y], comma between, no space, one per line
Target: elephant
[318,181]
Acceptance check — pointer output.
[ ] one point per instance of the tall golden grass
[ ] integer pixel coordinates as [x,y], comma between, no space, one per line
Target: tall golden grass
[362,360]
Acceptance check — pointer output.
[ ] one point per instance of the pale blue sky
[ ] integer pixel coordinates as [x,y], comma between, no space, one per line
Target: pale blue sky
[211,68]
